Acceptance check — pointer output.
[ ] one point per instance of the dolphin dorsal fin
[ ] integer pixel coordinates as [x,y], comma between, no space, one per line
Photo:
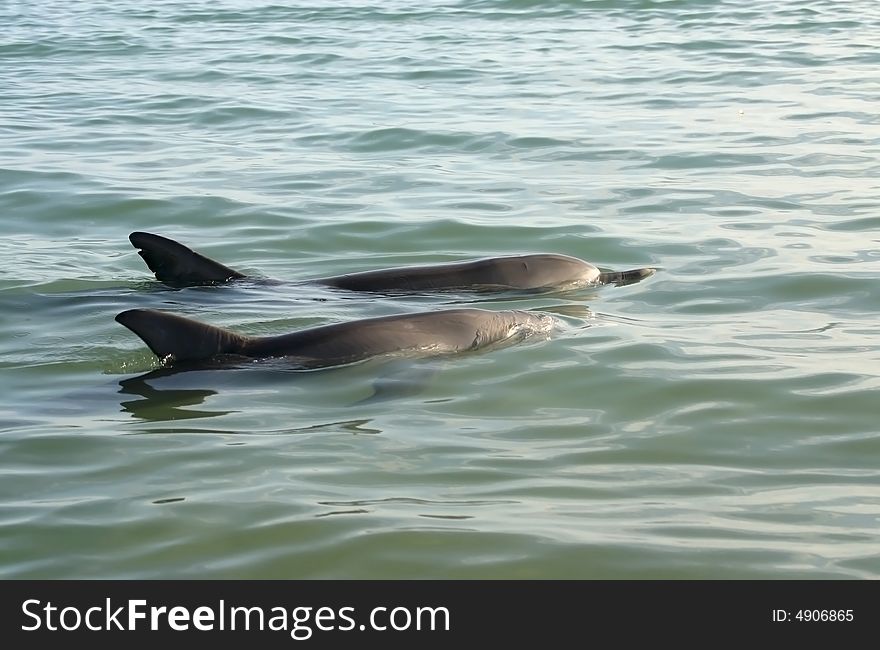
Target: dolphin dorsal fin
[178,266]
[175,338]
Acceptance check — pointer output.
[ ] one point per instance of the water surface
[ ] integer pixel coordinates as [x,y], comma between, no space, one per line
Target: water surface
[718,420]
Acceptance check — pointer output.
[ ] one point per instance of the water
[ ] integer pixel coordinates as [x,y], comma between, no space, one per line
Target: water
[717,420]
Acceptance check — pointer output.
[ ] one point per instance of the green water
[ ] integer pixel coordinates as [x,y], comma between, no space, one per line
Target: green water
[719,420]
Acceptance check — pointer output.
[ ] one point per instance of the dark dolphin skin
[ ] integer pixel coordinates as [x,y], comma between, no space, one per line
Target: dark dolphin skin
[176,265]
[176,339]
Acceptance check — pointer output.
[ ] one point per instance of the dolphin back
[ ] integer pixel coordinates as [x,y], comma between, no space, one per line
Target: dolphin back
[174,338]
[176,265]
[543,271]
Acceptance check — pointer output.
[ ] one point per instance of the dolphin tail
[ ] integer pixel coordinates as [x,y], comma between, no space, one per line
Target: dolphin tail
[621,278]
[174,338]
[178,266]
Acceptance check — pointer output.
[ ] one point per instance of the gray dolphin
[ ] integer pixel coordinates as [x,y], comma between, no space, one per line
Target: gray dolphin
[176,265]
[176,339]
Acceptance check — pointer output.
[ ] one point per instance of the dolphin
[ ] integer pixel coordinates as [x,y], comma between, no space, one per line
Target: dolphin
[178,266]
[176,339]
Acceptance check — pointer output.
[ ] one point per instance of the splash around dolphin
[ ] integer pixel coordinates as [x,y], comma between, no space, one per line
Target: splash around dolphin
[178,266]
[175,339]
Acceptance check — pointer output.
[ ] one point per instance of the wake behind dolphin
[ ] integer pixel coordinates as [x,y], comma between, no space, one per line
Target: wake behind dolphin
[176,339]
[176,265]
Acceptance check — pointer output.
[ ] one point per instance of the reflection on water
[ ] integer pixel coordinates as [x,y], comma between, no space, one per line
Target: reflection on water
[398,379]
[393,380]
[160,405]
[166,404]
